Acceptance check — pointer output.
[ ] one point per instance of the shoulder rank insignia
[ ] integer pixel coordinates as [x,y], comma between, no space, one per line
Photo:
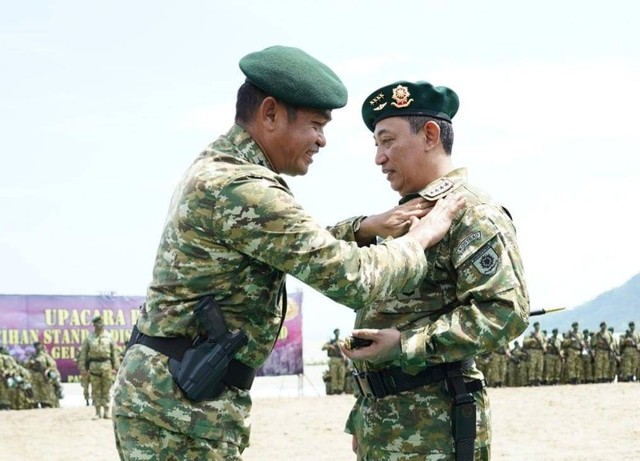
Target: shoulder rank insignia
[437,189]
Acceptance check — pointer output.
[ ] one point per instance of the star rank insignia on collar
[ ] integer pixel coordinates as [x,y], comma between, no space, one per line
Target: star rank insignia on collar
[437,189]
[401,97]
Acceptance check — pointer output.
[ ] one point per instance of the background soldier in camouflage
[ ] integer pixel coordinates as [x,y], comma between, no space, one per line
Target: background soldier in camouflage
[536,346]
[630,351]
[588,358]
[98,358]
[337,364]
[6,363]
[553,358]
[474,299]
[45,378]
[573,345]
[234,231]
[498,364]
[602,346]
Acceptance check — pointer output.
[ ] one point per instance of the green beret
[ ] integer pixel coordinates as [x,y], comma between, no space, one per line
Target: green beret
[603,324]
[96,319]
[406,98]
[536,324]
[574,324]
[632,324]
[294,77]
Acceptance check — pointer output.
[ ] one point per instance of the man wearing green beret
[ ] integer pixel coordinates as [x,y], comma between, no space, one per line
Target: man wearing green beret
[232,234]
[427,400]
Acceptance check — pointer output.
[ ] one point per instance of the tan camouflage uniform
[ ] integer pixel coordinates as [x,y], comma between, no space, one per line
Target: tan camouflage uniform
[98,358]
[473,300]
[234,231]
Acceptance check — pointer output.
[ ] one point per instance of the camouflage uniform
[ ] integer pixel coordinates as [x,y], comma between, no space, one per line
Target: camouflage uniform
[473,300]
[602,346]
[98,358]
[573,346]
[234,230]
[6,371]
[630,347]
[337,365]
[536,346]
[553,359]
[45,377]
[588,358]
[518,366]
[497,375]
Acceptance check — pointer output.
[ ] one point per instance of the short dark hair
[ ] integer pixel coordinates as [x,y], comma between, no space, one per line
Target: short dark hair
[249,99]
[417,122]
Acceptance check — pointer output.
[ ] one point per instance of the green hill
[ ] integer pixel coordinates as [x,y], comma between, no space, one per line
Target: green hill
[616,307]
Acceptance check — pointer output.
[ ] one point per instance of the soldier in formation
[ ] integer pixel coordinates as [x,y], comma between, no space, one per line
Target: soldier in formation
[574,357]
[335,378]
[98,359]
[45,376]
[16,389]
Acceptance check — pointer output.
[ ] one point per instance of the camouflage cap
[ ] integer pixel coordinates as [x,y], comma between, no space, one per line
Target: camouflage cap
[295,77]
[406,98]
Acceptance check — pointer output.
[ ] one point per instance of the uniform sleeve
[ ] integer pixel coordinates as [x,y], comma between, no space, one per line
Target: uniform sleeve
[345,230]
[260,218]
[493,304]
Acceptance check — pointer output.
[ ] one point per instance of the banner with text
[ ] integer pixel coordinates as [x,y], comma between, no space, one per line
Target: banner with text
[61,324]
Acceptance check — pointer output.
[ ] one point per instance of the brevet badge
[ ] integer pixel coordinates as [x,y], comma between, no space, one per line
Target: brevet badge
[401,97]
[376,100]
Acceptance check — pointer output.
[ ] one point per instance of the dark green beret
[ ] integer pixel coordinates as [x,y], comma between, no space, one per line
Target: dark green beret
[632,324]
[603,324]
[536,324]
[574,324]
[295,77]
[406,98]
[96,319]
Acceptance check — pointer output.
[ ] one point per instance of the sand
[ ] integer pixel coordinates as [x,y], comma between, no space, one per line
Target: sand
[583,422]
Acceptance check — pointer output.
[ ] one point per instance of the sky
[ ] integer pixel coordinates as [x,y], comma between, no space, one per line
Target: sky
[105,104]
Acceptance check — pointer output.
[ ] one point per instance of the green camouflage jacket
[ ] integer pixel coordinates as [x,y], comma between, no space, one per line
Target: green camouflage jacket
[473,300]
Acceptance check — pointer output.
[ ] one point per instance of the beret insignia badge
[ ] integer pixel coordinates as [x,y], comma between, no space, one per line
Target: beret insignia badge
[377,99]
[401,97]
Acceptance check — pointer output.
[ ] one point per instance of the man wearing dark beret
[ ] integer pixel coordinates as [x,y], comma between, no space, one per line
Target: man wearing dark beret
[232,234]
[427,399]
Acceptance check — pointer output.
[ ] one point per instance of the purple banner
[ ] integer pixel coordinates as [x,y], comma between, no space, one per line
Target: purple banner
[286,357]
[61,323]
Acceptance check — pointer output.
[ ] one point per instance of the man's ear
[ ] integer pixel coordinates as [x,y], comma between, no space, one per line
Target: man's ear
[432,134]
[268,112]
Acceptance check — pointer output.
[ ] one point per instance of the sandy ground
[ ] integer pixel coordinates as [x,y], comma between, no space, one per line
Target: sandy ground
[584,422]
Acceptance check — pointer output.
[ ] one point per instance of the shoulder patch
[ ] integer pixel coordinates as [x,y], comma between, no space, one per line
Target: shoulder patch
[486,261]
[437,189]
[468,240]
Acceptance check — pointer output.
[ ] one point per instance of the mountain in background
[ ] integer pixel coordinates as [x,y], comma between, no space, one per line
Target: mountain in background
[617,307]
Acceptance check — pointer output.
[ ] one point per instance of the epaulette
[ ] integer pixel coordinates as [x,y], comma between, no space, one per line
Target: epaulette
[437,189]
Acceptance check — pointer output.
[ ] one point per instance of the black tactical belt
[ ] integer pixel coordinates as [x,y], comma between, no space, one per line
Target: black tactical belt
[393,380]
[238,374]
[106,359]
